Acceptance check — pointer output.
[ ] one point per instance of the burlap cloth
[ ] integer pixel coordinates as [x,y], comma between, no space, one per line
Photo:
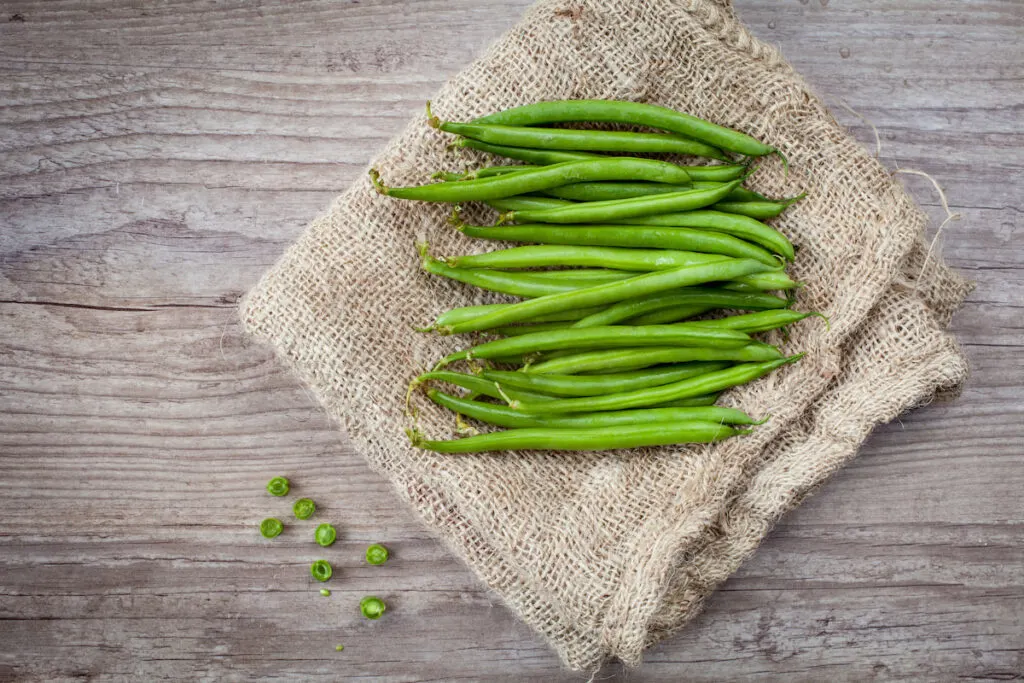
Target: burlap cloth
[606,554]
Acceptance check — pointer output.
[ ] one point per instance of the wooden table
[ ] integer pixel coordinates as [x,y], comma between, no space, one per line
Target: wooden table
[157,157]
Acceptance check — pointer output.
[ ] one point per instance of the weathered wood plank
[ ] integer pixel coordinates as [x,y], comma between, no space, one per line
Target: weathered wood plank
[154,160]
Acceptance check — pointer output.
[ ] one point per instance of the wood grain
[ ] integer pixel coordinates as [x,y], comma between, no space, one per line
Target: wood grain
[155,158]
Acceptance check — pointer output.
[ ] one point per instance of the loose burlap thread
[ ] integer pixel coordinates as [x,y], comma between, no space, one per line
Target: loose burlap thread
[605,554]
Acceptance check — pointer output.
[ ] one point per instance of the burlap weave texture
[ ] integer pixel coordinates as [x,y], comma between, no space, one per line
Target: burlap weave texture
[605,554]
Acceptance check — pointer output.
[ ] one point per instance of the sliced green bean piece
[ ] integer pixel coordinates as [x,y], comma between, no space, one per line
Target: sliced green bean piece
[620,209]
[639,398]
[743,227]
[683,334]
[576,140]
[541,178]
[592,439]
[503,416]
[539,157]
[629,237]
[632,113]
[706,297]
[756,322]
[478,385]
[612,360]
[595,385]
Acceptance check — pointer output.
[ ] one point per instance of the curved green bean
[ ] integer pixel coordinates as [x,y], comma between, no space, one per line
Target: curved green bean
[538,157]
[673,314]
[612,292]
[683,334]
[520,330]
[611,360]
[632,113]
[693,386]
[595,385]
[580,275]
[503,416]
[619,209]
[695,402]
[540,178]
[515,284]
[762,282]
[478,385]
[575,140]
[705,297]
[524,202]
[742,227]
[604,191]
[592,439]
[468,312]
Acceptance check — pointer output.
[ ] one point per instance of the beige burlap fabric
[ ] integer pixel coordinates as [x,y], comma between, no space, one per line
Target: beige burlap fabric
[605,554]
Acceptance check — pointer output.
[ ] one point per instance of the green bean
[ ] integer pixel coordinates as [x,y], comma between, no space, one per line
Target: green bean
[742,227]
[632,113]
[632,237]
[619,209]
[673,314]
[610,360]
[539,157]
[598,192]
[638,398]
[516,284]
[708,297]
[519,330]
[594,275]
[503,416]
[476,384]
[490,171]
[695,402]
[575,140]
[757,322]
[612,292]
[740,194]
[753,209]
[633,259]
[683,334]
[762,282]
[591,439]
[524,202]
[541,178]
[467,312]
[595,385]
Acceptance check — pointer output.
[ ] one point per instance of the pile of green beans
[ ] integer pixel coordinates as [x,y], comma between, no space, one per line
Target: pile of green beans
[614,257]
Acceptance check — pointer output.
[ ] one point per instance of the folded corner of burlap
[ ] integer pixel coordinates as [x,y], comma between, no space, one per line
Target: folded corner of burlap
[606,554]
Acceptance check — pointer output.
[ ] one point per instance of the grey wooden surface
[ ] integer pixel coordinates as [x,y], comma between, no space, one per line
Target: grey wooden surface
[155,158]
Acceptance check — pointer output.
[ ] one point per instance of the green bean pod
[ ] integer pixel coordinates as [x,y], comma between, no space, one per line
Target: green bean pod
[742,227]
[604,191]
[594,275]
[575,140]
[634,114]
[540,178]
[761,321]
[503,416]
[699,297]
[683,334]
[537,157]
[762,282]
[456,315]
[672,314]
[591,439]
[529,328]
[620,209]
[515,284]
[629,237]
[595,385]
[525,202]
[754,209]
[617,360]
[639,398]
[612,292]
[617,258]
[479,385]
[695,402]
